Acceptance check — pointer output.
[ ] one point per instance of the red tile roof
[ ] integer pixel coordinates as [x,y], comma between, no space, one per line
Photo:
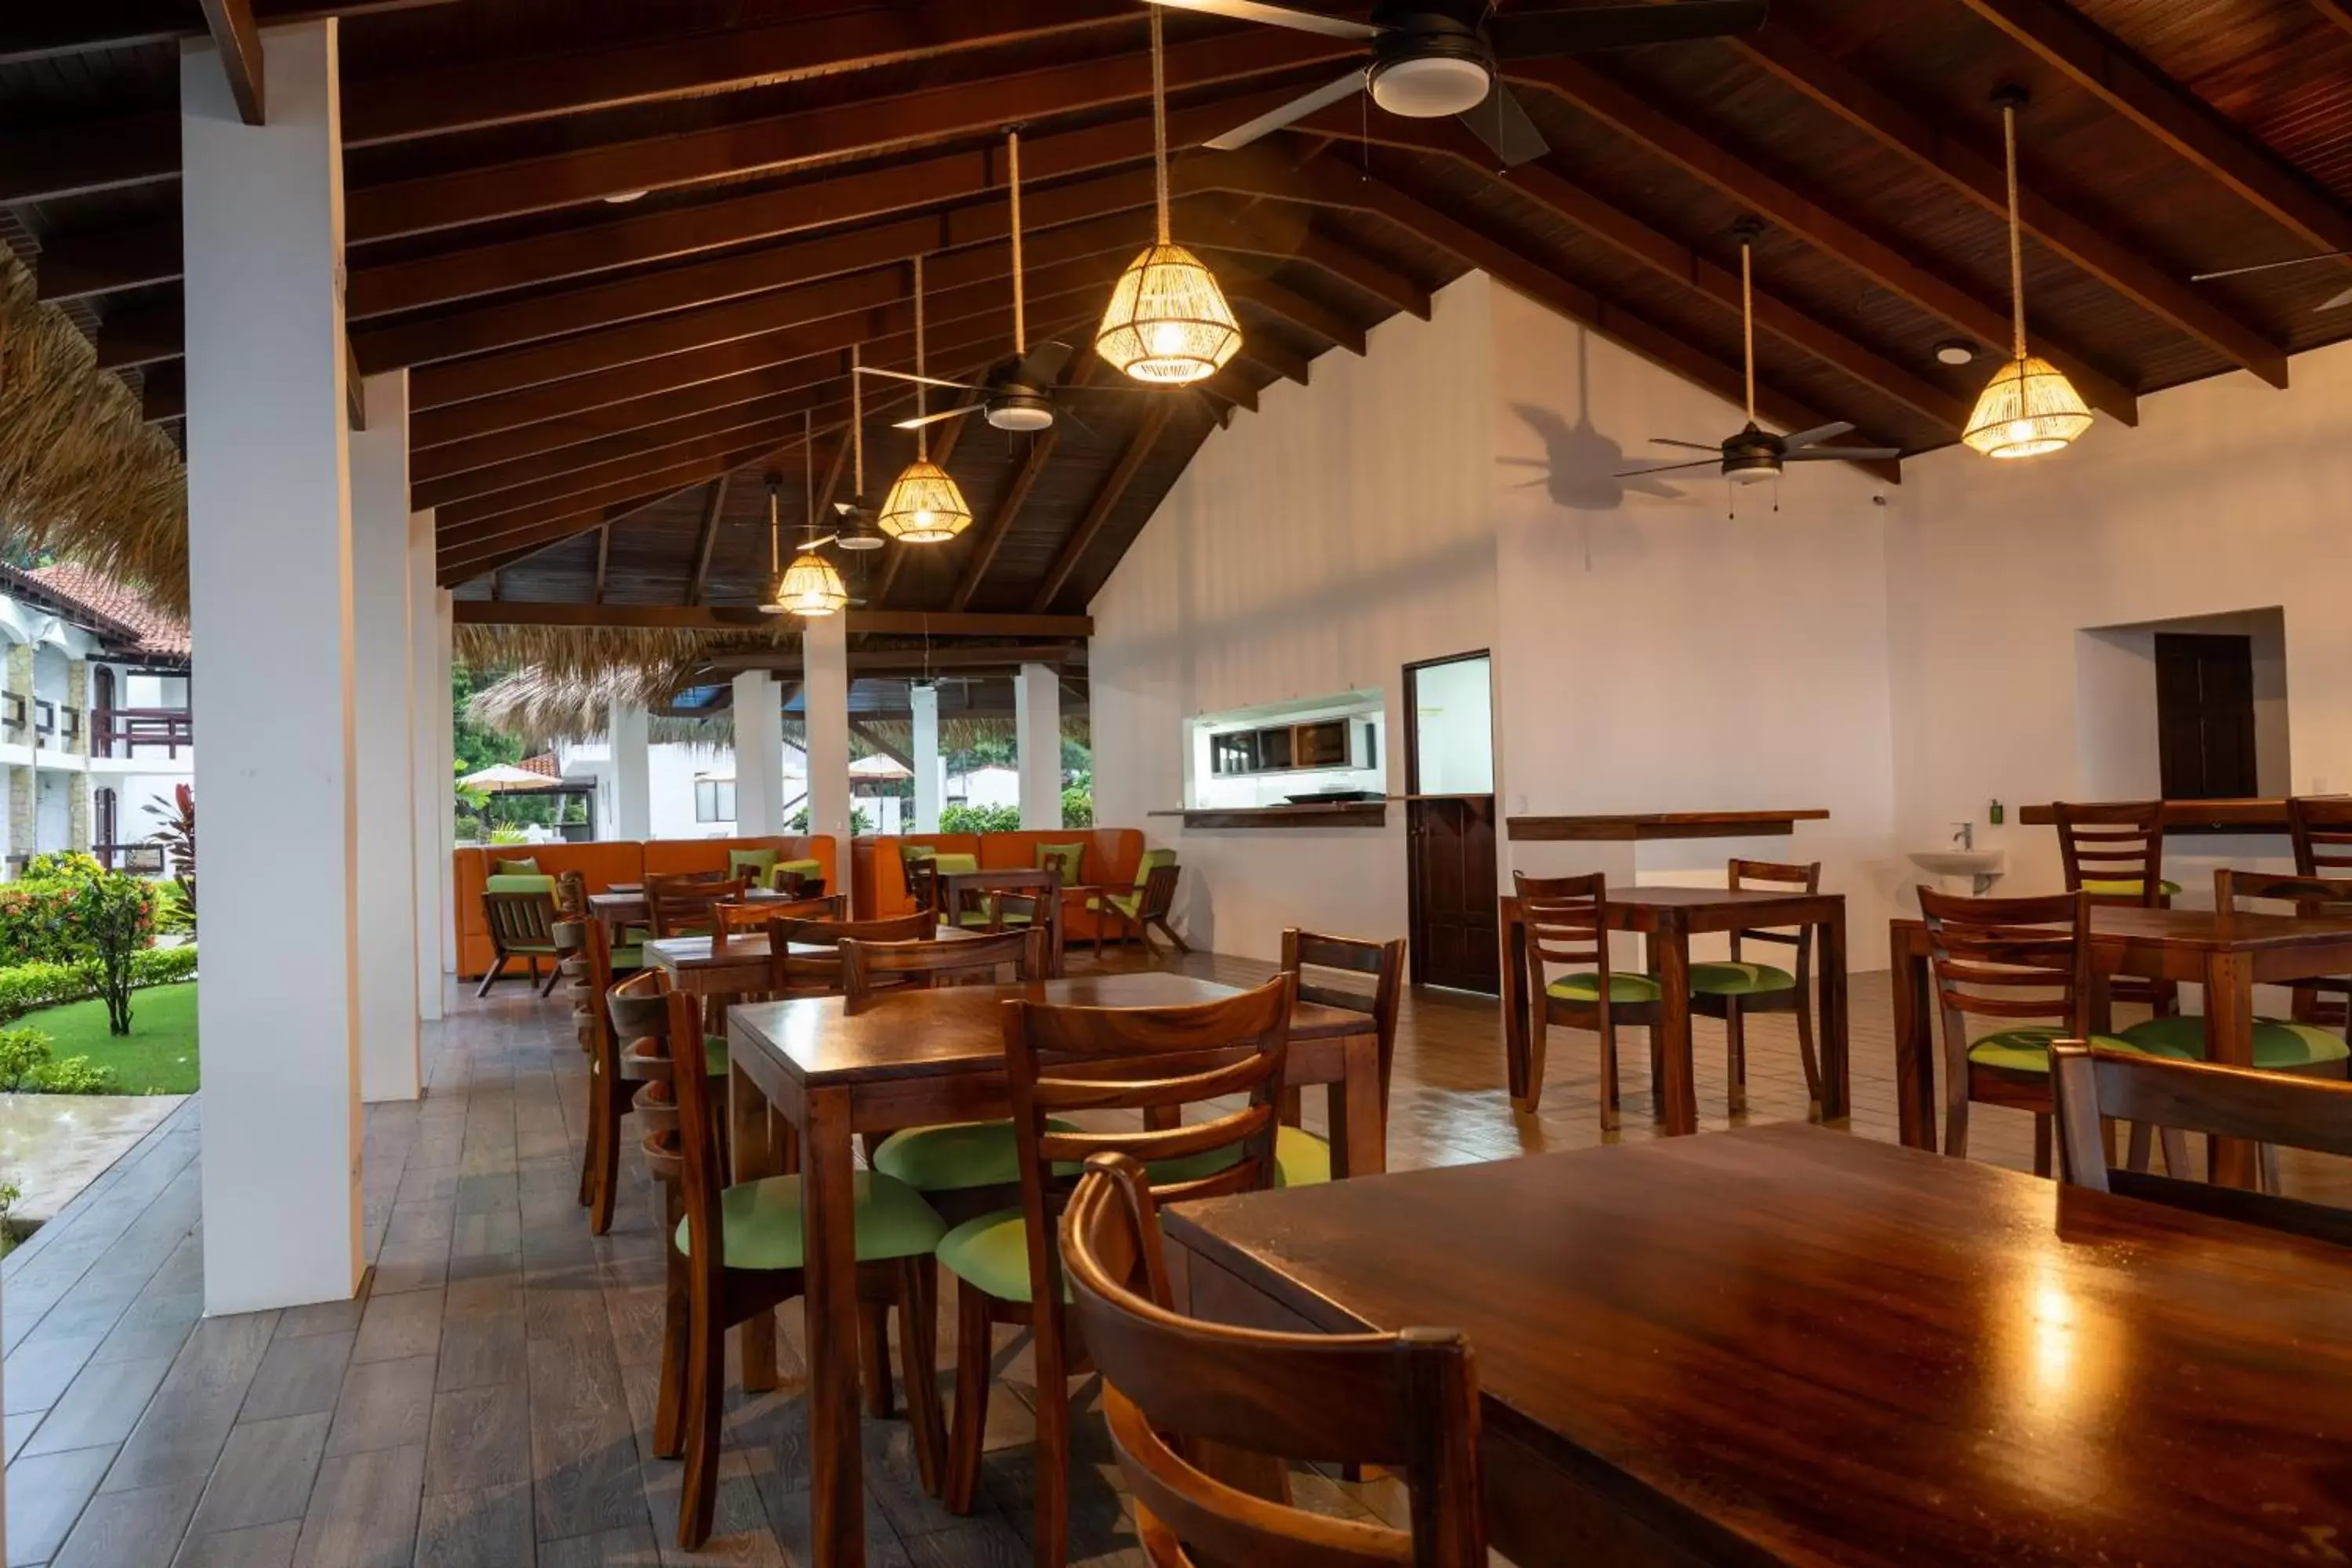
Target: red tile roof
[542,763]
[159,633]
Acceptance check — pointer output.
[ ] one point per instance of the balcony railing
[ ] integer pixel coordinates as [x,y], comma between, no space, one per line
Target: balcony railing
[57,724]
[121,732]
[11,710]
[45,719]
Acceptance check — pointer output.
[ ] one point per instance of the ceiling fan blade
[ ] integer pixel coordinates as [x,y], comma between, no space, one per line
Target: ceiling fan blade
[1818,433]
[1665,469]
[1520,35]
[1843,454]
[2343,299]
[935,419]
[1691,445]
[919,380]
[2268,266]
[1502,125]
[1045,365]
[819,543]
[1299,108]
[1278,16]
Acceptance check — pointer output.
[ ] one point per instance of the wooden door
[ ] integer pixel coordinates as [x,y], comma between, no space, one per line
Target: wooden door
[1450,824]
[101,716]
[2205,716]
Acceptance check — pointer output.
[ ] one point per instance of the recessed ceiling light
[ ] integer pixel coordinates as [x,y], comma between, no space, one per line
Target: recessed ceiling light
[1955,350]
[619,198]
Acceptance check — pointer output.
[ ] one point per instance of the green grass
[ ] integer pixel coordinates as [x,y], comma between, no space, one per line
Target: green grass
[159,1054]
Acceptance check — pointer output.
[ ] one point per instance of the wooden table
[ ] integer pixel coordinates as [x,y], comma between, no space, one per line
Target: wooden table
[1787,1345]
[2229,957]
[832,1068]
[1649,826]
[2243,815]
[741,965]
[1669,918]
[621,906]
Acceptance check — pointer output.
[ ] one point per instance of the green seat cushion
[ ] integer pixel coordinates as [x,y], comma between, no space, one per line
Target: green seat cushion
[2125,887]
[1300,1160]
[799,868]
[520,882]
[1740,979]
[714,1055]
[952,865]
[762,1222]
[1621,988]
[522,949]
[2028,1050]
[916,852]
[758,862]
[1067,858]
[631,956]
[524,867]
[956,1155]
[991,1254]
[1126,903]
[2278,1046]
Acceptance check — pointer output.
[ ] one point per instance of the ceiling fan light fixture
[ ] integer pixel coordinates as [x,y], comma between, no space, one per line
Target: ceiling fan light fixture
[2028,408]
[1022,412]
[924,506]
[810,586]
[1430,86]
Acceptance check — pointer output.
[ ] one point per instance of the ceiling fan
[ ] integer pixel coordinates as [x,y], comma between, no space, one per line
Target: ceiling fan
[1754,453]
[1431,58]
[858,529]
[2328,304]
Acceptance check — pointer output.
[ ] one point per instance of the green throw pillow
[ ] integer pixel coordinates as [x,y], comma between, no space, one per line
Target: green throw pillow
[516,868]
[520,882]
[1069,859]
[950,865]
[758,862]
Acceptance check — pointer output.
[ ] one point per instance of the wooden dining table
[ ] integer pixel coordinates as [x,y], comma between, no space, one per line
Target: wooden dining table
[1790,1344]
[2228,954]
[831,1069]
[624,904]
[1668,917]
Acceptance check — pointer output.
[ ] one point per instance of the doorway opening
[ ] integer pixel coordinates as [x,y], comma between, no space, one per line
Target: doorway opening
[1449,771]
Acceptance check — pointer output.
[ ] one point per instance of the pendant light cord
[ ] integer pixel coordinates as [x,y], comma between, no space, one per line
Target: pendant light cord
[2016,241]
[1160,122]
[922,432]
[1020,315]
[857,415]
[808,472]
[776,548]
[1747,320]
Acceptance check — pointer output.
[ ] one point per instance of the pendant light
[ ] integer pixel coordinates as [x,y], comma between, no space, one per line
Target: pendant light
[924,507]
[810,586]
[2029,407]
[1168,322]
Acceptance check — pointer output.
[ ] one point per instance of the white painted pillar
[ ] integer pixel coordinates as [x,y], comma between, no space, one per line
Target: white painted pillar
[384,724]
[628,730]
[444,636]
[930,773]
[428,719]
[1037,738]
[824,697]
[758,755]
[269,593]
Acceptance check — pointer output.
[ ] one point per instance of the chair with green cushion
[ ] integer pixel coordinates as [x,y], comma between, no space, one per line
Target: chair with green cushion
[798,878]
[1068,1060]
[913,857]
[1738,990]
[587,963]
[2027,964]
[1300,1158]
[735,1252]
[519,913]
[2321,829]
[931,894]
[1566,920]
[1149,903]
[2114,852]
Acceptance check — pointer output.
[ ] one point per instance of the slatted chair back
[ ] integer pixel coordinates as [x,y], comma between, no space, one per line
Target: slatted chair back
[1776,877]
[1566,920]
[585,952]
[923,882]
[2113,842]
[1158,900]
[2020,959]
[1060,1060]
[870,966]
[680,906]
[808,974]
[1305,951]
[1171,1383]
[2320,826]
[1010,909]
[2311,896]
[520,921]
[645,1007]
[732,920]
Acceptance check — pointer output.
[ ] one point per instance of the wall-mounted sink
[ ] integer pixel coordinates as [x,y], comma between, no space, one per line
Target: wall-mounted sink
[1982,867]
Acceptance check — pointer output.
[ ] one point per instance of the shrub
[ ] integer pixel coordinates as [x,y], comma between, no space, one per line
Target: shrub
[27,1067]
[46,914]
[178,838]
[1078,806]
[979,820]
[114,914]
[27,987]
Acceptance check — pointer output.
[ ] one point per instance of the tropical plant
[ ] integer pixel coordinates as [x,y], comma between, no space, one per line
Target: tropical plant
[26,1066]
[1078,806]
[9,1192]
[44,914]
[27,987]
[861,821]
[508,832]
[177,836]
[115,913]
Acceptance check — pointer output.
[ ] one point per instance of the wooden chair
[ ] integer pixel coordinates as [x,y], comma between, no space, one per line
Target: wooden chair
[522,923]
[735,1252]
[2114,853]
[810,975]
[1061,1061]
[2321,827]
[1171,1383]
[587,961]
[731,919]
[2013,960]
[680,906]
[1148,904]
[1040,909]
[1736,991]
[870,966]
[1305,1159]
[2267,1108]
[1566,920]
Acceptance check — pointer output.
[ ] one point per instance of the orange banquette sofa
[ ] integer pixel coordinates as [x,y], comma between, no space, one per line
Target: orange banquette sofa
[603,863]
[1111,858]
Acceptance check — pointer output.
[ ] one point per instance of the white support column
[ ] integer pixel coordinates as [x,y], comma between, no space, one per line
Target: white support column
[384,724]
[270,592]
[825,655]
[930,775]
[429,722]
[1037,737]
[445,638]
[632,786]
[758,755]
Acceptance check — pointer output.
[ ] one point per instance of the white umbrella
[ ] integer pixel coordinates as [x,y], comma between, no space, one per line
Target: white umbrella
[877,766]
[503,779]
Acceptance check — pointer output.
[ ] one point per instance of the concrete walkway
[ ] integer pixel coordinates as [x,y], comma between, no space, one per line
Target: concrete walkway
[54,1145]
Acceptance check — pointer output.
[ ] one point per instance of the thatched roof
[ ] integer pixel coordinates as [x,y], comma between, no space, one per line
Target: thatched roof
[82,475]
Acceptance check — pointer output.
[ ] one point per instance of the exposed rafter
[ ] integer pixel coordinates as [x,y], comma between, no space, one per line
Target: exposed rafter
[1098,512]
[708,537]
[238,43]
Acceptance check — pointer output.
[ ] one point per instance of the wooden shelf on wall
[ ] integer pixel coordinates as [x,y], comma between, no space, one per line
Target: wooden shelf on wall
[1340,814]
[1642,826]
[2252,816]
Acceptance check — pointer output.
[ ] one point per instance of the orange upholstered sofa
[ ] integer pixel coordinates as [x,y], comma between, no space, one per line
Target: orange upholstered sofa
[603,863]
[880,889]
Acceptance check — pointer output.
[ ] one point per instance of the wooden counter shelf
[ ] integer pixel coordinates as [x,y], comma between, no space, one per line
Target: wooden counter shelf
[2246,816]
[1642,826]
[1338,813]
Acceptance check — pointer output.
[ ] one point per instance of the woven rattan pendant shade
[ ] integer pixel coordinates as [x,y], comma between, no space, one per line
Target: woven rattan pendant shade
[810,586]
[924,506]
[2029,407]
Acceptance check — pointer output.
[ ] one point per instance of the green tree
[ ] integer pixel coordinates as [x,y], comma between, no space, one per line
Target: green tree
[477,745]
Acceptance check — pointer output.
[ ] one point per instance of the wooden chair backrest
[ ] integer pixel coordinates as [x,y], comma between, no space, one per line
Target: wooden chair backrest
[645,1007]
[1042,906]
[922,882]
[1776,877]
[1158,899]
[2311,896]
[2320,826]
[789,975]
[757,914]
[1384,960]
[2004,958]
[1062,1060]
[584,953]
[2113,842]
[1566,921]
[519,918]
[868,966]
[680,906]
[1406,1401]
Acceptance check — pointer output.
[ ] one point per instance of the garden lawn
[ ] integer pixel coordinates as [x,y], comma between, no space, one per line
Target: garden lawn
[159,1054]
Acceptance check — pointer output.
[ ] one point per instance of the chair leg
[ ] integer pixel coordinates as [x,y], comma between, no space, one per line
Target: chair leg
[974,1349]
[490,977]
[1607,1073]
[605,1128]
[706,1389]
[554,973]
[670,1404]
[1734,1055]
[2041,1143]
[1169,932]
[1050,1535]
[873,1358]
[1805,1052]
[1956,1121]
[918,1328]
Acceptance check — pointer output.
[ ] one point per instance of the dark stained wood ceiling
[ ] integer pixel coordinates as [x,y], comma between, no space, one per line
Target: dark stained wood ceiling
[599,386]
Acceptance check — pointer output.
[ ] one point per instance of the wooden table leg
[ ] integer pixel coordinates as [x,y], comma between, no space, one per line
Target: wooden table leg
[2230,1041]
[1914,1069]
[829,1218]
[1837,1084]
[1358,1132]
[1677,1094]
[751,1154]
[1518,1074]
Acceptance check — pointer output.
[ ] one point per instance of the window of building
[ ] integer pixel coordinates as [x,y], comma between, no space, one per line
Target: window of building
[714,800]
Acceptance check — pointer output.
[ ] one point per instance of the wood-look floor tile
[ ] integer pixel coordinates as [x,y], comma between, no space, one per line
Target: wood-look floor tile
[298,1376]
[626,1546]
[489,1527]
[265,1474]
[102,1406]
[264,1546]
[46,1494]
[363,1512]
[180,1434]
[36,1376]
[131,1529]
[480,1439]
[384,1405]
[403,1323]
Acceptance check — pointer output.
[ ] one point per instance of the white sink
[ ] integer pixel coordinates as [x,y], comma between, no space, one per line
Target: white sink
[1982,867]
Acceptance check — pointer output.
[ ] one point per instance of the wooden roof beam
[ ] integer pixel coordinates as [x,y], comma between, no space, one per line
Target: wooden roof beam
[706,538]
[1256,234]
[453,567]
[465,534]
[603,559]
[30,32]
[715,618]
[1001,518]
[1099,512]
[238,43]
[2337,11]
[1670,138]
[1981,177]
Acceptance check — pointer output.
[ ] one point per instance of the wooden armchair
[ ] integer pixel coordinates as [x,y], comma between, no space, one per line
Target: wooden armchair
[521,924]
[1148,904]
[2321,827]
[1307,951]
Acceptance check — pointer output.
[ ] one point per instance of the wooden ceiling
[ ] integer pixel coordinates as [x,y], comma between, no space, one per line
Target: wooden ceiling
[600,384]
